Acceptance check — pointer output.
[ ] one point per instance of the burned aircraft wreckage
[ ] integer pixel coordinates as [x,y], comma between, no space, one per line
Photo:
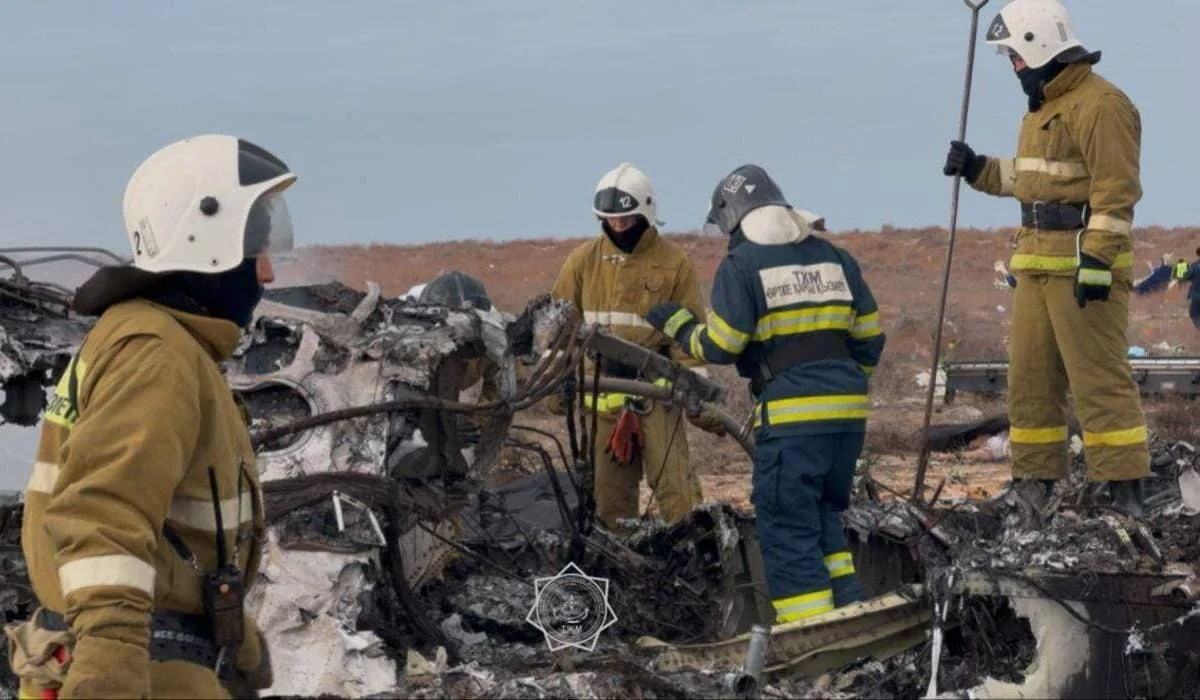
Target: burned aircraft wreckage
[399,562]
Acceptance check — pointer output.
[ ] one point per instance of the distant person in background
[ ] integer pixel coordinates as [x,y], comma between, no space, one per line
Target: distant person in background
[613,281]
[1184,272]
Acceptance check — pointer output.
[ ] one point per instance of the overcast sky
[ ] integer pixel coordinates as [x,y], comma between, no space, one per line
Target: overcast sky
[423,121]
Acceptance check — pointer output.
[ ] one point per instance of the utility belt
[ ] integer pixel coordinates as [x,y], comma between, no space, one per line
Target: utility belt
[174,636]
[817,346]
[1054,216]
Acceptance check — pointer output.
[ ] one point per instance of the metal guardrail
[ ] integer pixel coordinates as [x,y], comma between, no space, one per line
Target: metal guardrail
[1166,376]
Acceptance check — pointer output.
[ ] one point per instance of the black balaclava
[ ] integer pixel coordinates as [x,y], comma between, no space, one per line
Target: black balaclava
[628,239]
[230,295]
[1035,80]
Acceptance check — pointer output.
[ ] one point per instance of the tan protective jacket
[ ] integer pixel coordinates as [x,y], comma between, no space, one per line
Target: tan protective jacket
[154,412]
[616,290]
[1082,145]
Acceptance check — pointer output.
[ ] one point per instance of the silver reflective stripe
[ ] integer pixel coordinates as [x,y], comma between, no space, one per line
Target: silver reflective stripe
[1008,175]
[862,328]
[724,340]
[1104,222]
[1055,168]
[785,414]
[107,570]
[199,514]
[777,325]
[615,318]
[43,478]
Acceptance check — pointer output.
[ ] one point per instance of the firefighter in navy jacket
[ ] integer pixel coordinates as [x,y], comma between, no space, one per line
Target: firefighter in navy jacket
[794,313]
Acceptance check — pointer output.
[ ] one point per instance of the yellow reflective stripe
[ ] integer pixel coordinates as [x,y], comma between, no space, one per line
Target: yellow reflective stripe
[199,513]
[1054,168]
[802,606]
[677,321]
[106,570]
[606,403]
[839,564]
[616,318]
[818,318]
[1059,263]
[1008,175]
[867,369]
[866,326]
[59,409]
[43,478]
[725,336]
[695,347]
[814,408]
[1116,438]
[1038,436]
[1181,270]
[1104,222]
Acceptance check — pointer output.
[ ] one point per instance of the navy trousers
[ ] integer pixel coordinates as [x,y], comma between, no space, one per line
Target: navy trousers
[801,485]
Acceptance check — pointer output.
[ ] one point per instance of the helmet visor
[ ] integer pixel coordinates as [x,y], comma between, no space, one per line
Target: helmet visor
[612,202]
[268,227]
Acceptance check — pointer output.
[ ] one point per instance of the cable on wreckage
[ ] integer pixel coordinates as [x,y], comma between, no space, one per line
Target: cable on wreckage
[558,443]
[548,464]
[1032,583]
[530,394]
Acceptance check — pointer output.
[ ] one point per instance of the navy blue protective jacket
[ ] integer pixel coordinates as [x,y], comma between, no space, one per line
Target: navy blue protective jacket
[1193,275]
[783,285]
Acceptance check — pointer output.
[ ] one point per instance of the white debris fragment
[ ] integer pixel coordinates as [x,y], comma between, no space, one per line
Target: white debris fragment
[1189,488]
[453,627]
[939,390]
[417,665]
[307,605]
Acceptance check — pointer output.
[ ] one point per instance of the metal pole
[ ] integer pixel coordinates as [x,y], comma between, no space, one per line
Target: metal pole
[923,459]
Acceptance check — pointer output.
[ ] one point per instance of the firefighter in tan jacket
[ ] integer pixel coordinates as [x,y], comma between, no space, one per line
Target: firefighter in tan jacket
[1076,175]
[121,523]
[613,281]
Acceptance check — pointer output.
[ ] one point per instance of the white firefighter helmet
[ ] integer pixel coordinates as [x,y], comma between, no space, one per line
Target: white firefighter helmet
[626,191]
[206,203]
[1035,30]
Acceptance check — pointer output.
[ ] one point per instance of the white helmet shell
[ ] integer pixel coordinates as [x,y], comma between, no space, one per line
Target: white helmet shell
[1036,30]
[626,191]
[205,203]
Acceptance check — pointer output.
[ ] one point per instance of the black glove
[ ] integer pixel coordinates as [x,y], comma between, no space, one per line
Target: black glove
[1093,280]
[961,160]
[671,319]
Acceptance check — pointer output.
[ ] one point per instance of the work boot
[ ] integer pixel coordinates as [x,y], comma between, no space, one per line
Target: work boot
[847,591]
[1127,497]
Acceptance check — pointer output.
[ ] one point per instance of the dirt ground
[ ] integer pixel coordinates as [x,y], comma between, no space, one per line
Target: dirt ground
[902,267]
